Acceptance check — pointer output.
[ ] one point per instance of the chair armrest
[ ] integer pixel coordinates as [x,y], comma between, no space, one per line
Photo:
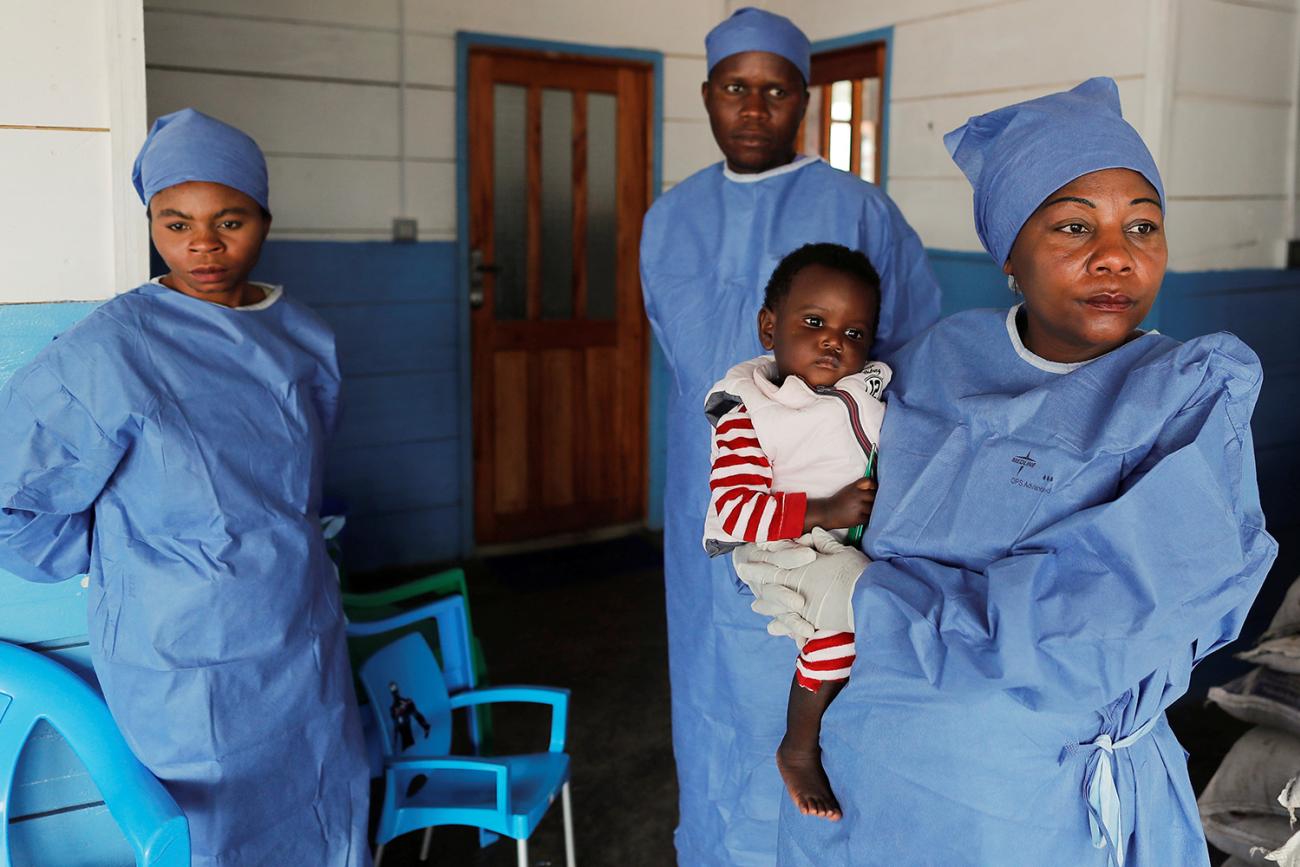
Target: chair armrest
[558,699]
[459,763]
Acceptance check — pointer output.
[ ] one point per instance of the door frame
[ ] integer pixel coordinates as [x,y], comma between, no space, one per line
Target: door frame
[853,40]
[465,40]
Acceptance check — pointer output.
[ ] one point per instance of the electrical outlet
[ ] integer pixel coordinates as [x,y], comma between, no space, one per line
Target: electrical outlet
[405,230]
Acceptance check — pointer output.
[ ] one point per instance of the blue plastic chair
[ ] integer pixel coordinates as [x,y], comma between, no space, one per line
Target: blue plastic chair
[425,787]
[455,651]
[34,688]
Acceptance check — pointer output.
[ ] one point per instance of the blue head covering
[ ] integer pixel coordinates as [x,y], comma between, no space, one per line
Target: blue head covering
[1017,156]
[187,145]
[751,29]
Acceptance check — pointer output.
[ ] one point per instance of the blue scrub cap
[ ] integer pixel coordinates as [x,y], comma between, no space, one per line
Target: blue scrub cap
[187,145]
[1017,156]
[751,29]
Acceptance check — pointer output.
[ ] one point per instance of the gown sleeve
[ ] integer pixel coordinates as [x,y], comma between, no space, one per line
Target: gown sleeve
[1085,609]
[909,297]
[54,462]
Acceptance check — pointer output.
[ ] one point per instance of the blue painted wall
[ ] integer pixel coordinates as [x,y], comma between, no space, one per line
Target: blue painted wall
[396,460]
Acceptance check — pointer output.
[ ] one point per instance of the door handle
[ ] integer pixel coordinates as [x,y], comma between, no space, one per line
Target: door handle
[477,268]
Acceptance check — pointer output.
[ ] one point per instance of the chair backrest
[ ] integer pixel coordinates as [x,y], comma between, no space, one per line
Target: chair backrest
[34,688]
[452,633]
[407,691]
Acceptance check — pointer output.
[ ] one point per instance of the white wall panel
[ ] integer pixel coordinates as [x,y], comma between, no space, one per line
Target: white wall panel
[939,209]
[917,126]
[431,197]
[431,60]
[1012,46]
[688,147]
[57,243]
[1226,148]
[1236,50]
[1205,235]
[682,78]
[72,76]
[249,45]
[992,53]
[324,195]
[363,13]
[53,64]
[337,197]
[826,19]
[294,118]
[431,124]
[308,117]
[676,26]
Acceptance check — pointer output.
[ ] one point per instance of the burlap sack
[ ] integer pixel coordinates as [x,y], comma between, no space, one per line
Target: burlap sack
[1262,696]
[1279,646]
[1239,807]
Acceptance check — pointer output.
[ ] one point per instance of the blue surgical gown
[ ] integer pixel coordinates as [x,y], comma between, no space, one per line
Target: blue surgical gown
[172,448]
[708,248]
[1054,549]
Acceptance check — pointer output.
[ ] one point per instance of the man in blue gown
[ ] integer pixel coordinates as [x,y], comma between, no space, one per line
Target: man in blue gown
[171,446]
[707,250]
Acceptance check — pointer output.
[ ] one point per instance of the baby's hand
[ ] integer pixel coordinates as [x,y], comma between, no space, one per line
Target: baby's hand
[847,507]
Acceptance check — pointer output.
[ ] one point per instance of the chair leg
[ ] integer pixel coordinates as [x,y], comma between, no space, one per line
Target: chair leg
[424,847]
[379,854]
[522,848]
[568,826]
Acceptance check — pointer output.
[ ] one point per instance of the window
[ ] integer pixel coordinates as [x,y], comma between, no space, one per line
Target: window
[845,107]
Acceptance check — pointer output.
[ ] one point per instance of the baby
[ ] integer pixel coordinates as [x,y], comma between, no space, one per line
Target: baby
[794,447]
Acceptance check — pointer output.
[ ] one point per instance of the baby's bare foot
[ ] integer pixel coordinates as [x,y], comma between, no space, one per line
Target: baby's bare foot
[806,781]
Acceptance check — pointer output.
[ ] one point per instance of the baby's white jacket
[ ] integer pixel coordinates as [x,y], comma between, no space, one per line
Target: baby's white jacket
[774,447]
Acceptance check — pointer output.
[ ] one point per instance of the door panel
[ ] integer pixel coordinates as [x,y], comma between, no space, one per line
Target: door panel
[559,182]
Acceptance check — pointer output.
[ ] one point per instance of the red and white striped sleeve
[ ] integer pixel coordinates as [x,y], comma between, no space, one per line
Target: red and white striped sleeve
[827,657]
[742,505]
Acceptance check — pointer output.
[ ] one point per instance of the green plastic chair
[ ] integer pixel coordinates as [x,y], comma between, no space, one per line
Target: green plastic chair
[384,604]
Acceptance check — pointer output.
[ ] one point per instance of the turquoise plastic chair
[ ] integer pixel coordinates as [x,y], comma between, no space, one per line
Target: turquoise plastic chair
[34,688]
[459,672]
[391,611]
[425,787]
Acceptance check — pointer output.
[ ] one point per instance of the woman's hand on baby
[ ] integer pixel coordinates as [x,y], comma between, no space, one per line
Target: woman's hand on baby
[848,507]
[800,598]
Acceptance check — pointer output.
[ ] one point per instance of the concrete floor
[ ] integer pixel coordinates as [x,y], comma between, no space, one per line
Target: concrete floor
[591,618]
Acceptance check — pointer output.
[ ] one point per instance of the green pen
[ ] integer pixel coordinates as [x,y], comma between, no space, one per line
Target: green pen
[855,535]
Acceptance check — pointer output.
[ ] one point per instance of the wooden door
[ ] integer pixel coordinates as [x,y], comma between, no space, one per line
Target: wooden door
[559,182]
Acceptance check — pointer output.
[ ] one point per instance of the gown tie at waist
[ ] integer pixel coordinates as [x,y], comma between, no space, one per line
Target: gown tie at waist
[1104,818]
